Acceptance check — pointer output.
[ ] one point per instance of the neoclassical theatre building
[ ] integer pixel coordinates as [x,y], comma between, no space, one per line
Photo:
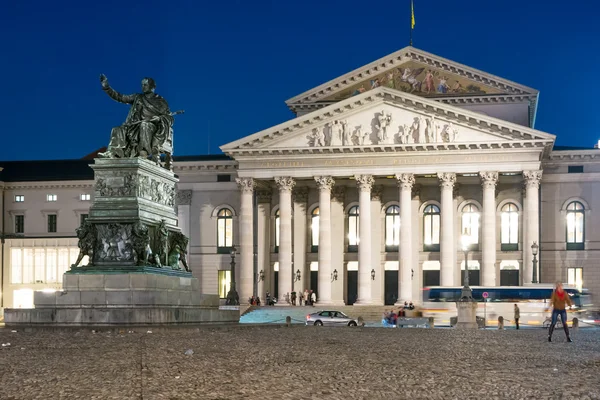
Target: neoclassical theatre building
[365,197]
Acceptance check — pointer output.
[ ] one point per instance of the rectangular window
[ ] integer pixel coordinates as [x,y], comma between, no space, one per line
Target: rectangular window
[63,260]
[28,266]
[52,223]
[19,223]
[224,283]
[51,197]
[85,197]
[82,218]
[51,266]
[19,198]
[223,178]
[40,265]
[575,277]
[575,169]
[16,266]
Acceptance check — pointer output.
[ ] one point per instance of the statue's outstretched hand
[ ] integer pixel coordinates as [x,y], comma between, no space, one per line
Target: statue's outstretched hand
[103,81]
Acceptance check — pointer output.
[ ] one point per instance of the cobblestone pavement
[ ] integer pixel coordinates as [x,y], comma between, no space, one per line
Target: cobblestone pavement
[299,363]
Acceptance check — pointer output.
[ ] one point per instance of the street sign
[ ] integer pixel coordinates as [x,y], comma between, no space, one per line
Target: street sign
[485,295]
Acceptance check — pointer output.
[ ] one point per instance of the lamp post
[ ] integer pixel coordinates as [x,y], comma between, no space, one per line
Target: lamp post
[298,276]
[372,274]
[233,299]
[334,275]
[534,250]
[466,293]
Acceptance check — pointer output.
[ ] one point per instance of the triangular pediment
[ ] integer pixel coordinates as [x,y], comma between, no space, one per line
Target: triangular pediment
[413,71]
[389,120]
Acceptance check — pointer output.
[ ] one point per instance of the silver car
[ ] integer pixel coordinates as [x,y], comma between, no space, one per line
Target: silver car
[330,318]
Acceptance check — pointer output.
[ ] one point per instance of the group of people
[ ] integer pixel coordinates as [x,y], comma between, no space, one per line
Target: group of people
[307,298]
[391,317]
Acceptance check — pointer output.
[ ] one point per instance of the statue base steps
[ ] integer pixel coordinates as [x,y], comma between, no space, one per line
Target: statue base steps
[115,298]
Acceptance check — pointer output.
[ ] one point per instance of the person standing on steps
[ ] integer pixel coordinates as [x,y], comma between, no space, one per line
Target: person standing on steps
[517,316]
[559,300]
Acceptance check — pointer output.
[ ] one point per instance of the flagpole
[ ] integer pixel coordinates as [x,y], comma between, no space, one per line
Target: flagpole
[410,23]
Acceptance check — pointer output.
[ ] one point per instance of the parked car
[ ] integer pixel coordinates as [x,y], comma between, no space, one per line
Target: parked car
[330,318]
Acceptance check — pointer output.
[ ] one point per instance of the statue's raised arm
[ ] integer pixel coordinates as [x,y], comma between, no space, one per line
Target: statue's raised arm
[121,98]
[148,129]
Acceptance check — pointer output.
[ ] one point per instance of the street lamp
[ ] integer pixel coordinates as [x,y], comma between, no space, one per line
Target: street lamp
[372,274]
[261,276]
[334,275]
[534,250]
[298,276]
[466,293]
[233,299]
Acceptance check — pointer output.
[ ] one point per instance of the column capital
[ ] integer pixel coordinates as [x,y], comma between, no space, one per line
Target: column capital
[339,193]
[447,179]
[364,182]
[405,181]
[324,182]
[246,185]
[184,197]
[263,195]
[285,183]
[532,178]
[489,179]
[300,194]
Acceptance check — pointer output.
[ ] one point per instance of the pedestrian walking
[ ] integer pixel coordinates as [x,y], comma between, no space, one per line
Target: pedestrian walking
[559,300]
[517,315]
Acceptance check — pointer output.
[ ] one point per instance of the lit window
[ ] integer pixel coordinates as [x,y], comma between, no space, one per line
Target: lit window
[470,223]
[16,266]
[392,228]
[51,266]
[353,229]
[575,277]
[277,228]
[431,228]
[85,197]
[224,283]
[575,226]
[51,197]
[224,230]
[39,259]
[509,228]
[19,198]
[314,230]
[28,266]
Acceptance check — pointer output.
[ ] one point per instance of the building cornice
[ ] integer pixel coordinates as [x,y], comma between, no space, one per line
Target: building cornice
[50,185]
[575,155]
[195,166]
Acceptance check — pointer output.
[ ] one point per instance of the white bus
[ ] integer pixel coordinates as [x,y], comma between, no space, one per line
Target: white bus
[533,300]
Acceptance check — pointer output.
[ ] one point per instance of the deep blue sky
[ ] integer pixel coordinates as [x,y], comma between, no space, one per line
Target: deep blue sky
[232,64]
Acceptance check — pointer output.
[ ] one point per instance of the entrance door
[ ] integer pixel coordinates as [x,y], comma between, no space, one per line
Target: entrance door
[431,278]
[314,282]
[352,287]
[276,283]
[473,277]
[509,277]
[391,287]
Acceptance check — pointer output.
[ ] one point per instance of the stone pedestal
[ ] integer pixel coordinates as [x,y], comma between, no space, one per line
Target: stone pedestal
[467,315]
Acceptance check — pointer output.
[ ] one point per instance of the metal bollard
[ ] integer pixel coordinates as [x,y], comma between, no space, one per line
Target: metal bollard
[500,322]
[361,321]
[288,321]
[431,322]
[575,323]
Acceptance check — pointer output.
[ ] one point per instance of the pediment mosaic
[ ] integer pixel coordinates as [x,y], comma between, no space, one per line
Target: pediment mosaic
[419,79]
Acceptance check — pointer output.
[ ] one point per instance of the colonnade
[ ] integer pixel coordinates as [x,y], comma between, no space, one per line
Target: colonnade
[407,264]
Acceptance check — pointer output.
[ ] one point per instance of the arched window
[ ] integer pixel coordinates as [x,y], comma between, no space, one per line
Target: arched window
[392,228]
[575,226]
[277,230]
[509,228]
[431,228]
[470,223]
[314,230]
[224,231]
[353,229]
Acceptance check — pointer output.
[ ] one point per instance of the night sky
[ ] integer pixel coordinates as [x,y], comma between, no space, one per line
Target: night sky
[232,64]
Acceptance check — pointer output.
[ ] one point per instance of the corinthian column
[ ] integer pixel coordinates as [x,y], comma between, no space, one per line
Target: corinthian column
[364,183]
[532,220]
[325,184]
[447,181]
[488,245]
[285,184]
[246,282]
[405,184]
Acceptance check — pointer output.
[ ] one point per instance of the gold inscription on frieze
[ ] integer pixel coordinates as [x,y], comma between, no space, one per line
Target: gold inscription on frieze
[282,164]
[349,162]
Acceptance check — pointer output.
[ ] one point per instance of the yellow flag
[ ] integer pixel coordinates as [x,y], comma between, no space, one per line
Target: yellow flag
[412,15]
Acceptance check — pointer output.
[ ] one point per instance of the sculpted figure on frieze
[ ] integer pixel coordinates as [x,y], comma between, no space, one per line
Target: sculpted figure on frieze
[346,134]
[335,131]
[422,127]
[384,121]
[317,137]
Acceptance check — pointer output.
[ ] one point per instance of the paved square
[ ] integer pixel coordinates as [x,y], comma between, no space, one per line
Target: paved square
[299,363]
